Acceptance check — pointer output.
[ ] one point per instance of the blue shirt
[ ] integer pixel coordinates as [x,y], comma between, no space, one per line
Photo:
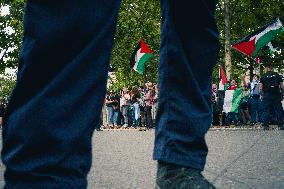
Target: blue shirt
[254,88]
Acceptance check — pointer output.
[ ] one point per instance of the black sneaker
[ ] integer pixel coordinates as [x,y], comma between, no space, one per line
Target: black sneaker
[171,176]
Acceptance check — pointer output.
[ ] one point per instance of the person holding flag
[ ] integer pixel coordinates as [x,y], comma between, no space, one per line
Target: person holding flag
[63,72]
[254,99]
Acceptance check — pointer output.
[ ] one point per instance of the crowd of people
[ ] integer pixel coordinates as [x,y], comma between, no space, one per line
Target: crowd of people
[136,107]
[260,103]
[247,114]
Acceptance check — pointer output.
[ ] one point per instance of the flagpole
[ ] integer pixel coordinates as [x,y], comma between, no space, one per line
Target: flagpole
[145,76]
[250,72]
[145,70]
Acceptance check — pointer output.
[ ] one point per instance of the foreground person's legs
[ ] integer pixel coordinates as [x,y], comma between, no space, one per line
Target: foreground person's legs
[60,90]
[188,53]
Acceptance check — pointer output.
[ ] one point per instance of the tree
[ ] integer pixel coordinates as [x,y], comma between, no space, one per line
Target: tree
[227,31]
[245,17]
[137,19]
[11,29]
[6,86]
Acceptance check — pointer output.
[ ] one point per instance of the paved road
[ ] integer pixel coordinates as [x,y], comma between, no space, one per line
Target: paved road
[237,160]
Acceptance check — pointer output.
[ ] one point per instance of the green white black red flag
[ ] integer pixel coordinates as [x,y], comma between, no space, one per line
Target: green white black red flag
[141,55]
[252,44]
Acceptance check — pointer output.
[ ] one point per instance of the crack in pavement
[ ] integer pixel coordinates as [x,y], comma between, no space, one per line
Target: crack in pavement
[236,159]
[231,179]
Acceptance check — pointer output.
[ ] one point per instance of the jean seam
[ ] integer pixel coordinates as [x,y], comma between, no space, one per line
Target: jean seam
[164,151]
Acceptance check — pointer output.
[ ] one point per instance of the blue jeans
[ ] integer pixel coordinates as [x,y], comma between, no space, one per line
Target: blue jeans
[255,109]
[115,117]
[188,53]
[131,114]
[125,113]
[48,127]
[274,106]
[110,114]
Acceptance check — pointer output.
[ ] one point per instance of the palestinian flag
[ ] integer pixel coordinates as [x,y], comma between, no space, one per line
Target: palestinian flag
[251,45]
[222,78]
[232,100]
[272,49]
[140,56]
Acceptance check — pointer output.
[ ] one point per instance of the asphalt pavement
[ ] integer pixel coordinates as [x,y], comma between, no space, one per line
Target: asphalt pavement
[238,159]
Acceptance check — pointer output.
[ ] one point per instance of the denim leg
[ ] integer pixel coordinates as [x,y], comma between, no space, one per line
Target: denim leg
[266,111]
[261,111]
[115,117]
[149,120]
[130,114]
[125,114]
[253,109]
[59,93]
[110,115]
[135,122]
[277,106]
[189,50]
[258,110]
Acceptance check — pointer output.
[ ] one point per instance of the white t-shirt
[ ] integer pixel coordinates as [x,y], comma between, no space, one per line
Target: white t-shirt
[124,100]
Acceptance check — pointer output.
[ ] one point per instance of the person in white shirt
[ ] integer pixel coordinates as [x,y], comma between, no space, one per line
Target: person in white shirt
[124,105]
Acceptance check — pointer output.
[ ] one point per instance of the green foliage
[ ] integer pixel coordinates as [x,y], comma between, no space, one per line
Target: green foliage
[246,17]
[6,86]
[141,19]
[137,19]
[10,42]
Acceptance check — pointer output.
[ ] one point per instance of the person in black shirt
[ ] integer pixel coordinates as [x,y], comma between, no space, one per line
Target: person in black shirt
[2,110]
[115,107]
[110,99]
[272,93]
[135,104]
[215,112]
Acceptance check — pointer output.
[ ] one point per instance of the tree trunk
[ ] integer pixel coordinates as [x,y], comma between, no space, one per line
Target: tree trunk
[3,55]
[228,53]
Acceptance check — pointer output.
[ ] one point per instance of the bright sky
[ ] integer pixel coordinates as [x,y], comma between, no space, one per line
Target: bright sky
[4,10]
